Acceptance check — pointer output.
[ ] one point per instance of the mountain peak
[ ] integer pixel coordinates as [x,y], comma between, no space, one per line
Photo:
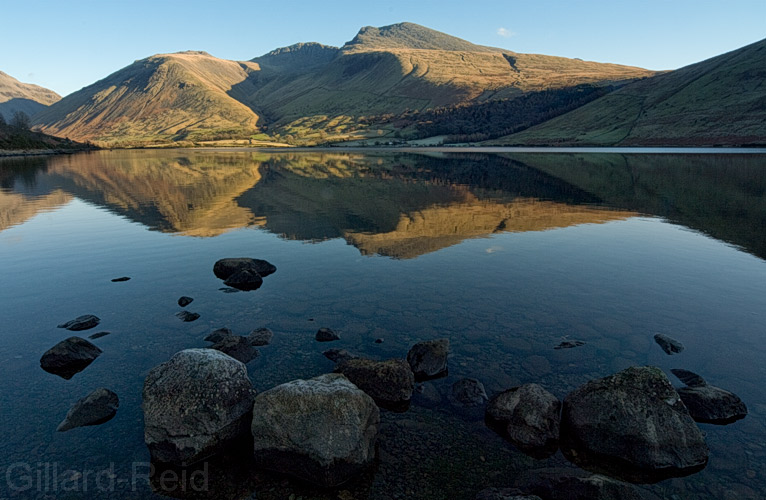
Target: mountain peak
[410,36]
[299,56]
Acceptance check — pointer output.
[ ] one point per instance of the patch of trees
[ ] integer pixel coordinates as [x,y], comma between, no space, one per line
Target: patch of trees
[16,134]
[481,121]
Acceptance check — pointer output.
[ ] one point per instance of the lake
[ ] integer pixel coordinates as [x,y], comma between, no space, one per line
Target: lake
[506,254]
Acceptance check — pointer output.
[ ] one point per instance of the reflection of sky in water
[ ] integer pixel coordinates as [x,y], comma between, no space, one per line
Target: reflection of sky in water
[505,300]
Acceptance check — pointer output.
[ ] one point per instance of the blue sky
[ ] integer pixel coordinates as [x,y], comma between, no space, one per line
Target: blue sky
[66,45]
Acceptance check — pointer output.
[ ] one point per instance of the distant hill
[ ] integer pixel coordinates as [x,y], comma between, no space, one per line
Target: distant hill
[169,97]
[720,101]
[299,90]
[26,97]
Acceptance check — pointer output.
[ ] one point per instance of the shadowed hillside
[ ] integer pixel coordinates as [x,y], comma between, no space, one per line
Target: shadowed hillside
[25,97]
[720,101]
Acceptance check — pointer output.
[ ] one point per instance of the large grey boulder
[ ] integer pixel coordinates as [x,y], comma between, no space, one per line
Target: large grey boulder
[321,430]
[527,416]
[574,484]
[194,404]
[69,357]
[96,408]
[633,424]
[429,359]
[390,383]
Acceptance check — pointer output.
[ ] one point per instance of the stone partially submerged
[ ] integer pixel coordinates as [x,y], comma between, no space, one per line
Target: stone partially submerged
[528,417]
[668,344]
[69,357]
[96,408]
[85,322]
[632,424]
[575,484]
[707,403]
[321,430]
[237,347]
[194,404]
[243,273]
[390,383]
[429,359]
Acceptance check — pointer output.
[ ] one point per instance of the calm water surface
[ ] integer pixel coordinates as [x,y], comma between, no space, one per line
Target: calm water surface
[507,255]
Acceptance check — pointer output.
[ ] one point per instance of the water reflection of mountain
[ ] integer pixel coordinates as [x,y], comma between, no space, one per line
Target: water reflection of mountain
[401,206]
[721,195]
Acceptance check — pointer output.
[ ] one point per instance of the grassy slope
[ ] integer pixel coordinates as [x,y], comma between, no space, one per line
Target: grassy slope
[720,101]
[168,96]
[26,97]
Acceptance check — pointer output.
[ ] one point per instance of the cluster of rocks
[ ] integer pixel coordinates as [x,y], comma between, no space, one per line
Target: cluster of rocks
[242,348]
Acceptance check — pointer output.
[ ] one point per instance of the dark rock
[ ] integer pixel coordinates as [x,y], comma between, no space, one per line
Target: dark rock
[260,337]
[338,355]
[634,425]
[390,383]
[468,393]
[712,405]
[69,357]
[237,347]
[185,301]
[504,494]
[691,379]
[85,322]
[569,344]
[96,408]
[194,405]
[246,280]
[218,335]
[326,335]
[321,430]
[123,278]
[669,345]
[98,335]
[187,316]
[429,359]
[575,484]
[527,416]
[226,268]
[378,341]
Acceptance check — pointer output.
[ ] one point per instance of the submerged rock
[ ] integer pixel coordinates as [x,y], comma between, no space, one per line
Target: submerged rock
[123,278]
[669,345]
[527,416]
[429,359]
[185,301]
[575,484]
[321,430]
[426,395]
[390,383]
[689,378]
[96,408]
[504,494]
[632,424]
[218,335]
[326,335]
[338,355]
[569,344]
[194,404]
[187,316]
[237,347]
[712,405]
[260,337]
[468,393]
[98,335]
[80,323]
[69,357]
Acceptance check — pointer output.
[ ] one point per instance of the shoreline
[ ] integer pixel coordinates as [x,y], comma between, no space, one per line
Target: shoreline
[15,153]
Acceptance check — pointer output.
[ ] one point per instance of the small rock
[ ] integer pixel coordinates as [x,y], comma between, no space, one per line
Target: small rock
[85,322]
[468,393]
[185,301]
[218,335]
[187,316]
[527,416]
[321,430]
[69,357]
[237,347]
[123,278]
[96,408]
[691,379]
[669,345]
[194,405]
[260,337]
[326,335]
[712,405]
[575,484]
[390,383]
[225,268]
[338,355]
[569,344]
[378,341]
[429,359]
[98,335]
